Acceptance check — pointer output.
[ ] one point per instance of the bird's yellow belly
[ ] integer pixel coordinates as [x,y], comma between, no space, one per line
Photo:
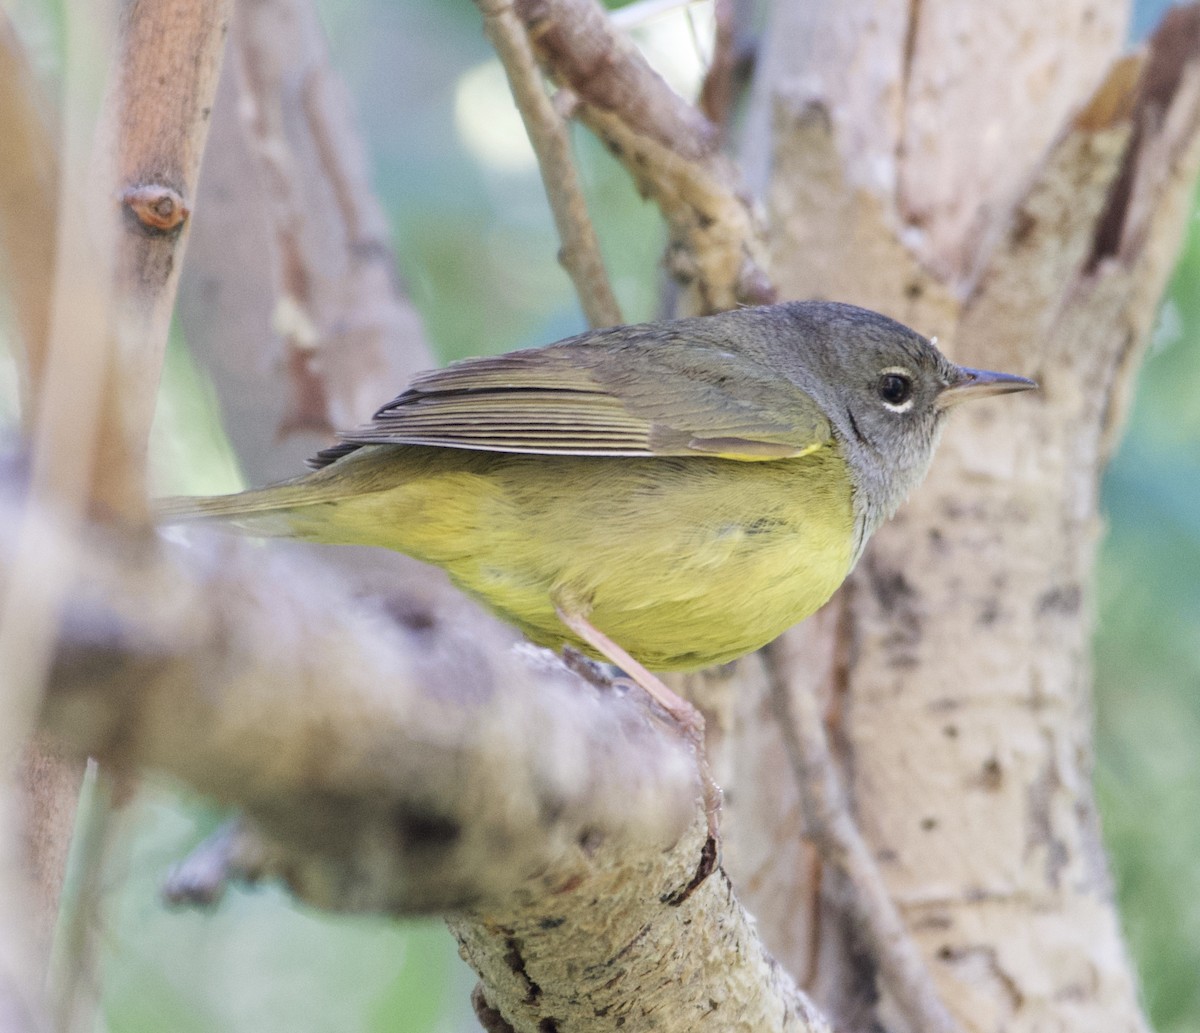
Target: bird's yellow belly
[683,562]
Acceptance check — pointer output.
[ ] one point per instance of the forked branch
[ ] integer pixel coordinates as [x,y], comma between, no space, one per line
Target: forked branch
[671,150]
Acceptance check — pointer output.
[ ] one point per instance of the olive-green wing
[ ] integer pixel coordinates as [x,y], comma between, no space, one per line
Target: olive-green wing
[628,399]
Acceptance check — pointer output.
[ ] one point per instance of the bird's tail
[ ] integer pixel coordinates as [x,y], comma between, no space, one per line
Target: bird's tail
[268,511]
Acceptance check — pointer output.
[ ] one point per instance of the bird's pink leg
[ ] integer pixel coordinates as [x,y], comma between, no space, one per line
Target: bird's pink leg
[685,715]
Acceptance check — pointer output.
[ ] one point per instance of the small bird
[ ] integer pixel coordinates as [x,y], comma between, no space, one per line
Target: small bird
[677,493]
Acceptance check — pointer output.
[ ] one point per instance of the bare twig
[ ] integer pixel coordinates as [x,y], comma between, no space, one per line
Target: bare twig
[671,150]
[831,828]
[717,89]
[580,48]
[580,254]
[226,857]
[73,970]
[70,366]
[72,379]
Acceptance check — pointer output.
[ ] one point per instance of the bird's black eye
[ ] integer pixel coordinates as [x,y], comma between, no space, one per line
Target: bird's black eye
[895,388]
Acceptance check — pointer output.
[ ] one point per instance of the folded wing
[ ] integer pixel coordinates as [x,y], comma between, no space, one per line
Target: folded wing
[636,397]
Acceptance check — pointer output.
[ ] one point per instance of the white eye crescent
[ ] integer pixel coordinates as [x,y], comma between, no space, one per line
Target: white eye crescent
[895,389]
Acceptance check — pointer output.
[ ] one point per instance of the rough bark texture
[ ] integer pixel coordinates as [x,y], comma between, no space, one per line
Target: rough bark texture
[954,665]
[406,760]
[635,947]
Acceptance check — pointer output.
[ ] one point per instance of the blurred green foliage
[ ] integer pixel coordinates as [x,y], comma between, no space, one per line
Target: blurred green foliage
[1147,656]
[477,247]
[257,962]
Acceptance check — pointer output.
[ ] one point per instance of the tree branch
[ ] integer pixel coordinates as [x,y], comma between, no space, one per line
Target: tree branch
[28,210]
[29,173]
[154,124]
[716,250]
[401,761]
[95,369]
[436,770]
[650,952]
[63,368]
[726,71]
[580,254]
[829,825]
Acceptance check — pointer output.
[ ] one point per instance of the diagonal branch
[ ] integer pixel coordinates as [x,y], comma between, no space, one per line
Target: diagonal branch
[832,830]
[580,254]
[726,71]
[402,761]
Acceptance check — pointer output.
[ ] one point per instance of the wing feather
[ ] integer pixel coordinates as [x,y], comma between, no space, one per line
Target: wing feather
[636,397]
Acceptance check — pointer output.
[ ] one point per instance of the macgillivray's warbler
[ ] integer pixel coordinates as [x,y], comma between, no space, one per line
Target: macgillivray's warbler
[688,488]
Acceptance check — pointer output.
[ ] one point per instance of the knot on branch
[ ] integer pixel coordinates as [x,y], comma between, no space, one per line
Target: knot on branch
[156,209]
[754,286]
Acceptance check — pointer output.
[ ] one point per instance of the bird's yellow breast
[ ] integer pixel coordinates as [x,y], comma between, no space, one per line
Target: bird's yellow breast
[682,561]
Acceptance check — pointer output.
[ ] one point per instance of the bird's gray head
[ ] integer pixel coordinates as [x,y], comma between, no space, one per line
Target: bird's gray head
[885,388]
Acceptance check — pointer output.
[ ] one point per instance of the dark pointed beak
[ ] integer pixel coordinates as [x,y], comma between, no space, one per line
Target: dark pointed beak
[980,383]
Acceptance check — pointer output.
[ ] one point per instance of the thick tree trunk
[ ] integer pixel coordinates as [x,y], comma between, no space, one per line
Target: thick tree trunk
[997,179]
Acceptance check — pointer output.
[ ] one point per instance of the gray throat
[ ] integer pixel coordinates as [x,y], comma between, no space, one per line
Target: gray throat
[882,484]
